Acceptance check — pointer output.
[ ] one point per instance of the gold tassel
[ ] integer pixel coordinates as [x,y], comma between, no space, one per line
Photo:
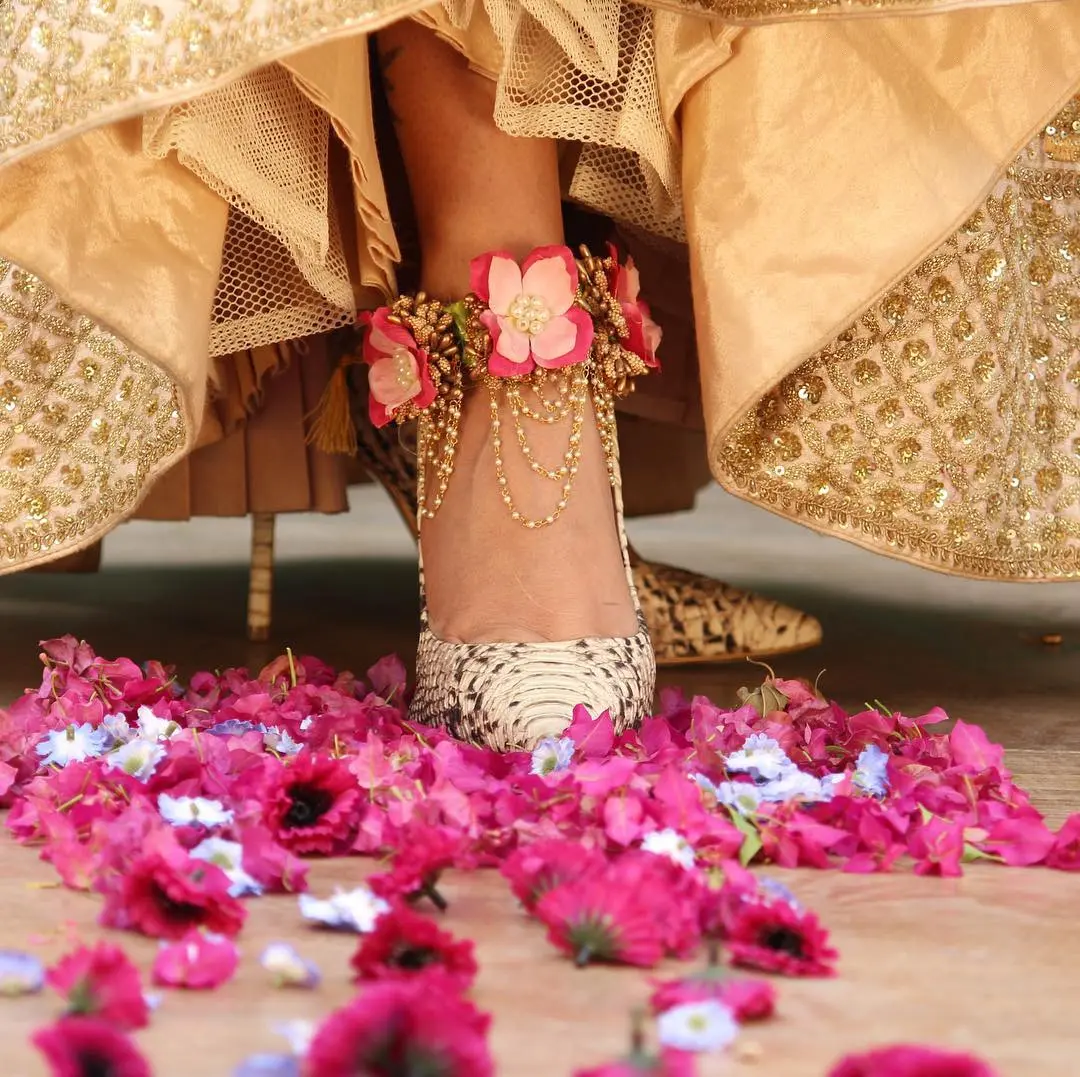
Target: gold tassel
[332,429]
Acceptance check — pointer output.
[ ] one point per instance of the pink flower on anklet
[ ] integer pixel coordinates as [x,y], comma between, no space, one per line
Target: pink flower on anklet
[399,373]
[531,314]
[645,334]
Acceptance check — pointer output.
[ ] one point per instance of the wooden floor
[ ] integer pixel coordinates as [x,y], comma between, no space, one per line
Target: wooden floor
[988,963]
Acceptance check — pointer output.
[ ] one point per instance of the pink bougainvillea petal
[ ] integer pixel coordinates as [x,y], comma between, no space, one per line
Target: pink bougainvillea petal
[550,273]
[378,414]
[560,348]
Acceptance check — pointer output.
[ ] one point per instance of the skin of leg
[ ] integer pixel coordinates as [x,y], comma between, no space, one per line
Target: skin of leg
[476,189]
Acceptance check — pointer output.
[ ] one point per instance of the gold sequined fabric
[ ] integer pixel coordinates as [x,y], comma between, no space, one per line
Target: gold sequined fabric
[85,423]
[944,424]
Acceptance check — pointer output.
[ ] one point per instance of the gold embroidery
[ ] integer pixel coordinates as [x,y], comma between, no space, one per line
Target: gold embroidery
[85,423]
[942,425]
[65,63]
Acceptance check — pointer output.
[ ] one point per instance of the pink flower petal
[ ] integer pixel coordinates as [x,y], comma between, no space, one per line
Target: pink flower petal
[378,414]
[510,355]
[385,337]
[565,340]
[385,382]
[629,282]
[480,271]
[551,274]
[504,283]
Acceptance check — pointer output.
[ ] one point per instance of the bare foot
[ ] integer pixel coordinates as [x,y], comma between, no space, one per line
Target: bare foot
[491,579]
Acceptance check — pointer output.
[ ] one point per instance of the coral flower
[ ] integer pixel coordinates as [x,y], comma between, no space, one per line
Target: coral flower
[595,921]
[398,1027]
[312,805]
[399,373]
[747,999]
[531,314]
[103,982]
[166,897]
[534,869]
[199,961]
[910,1061]
[89,1047]
[405,944]
[645,335]
[776,937]
[423,854]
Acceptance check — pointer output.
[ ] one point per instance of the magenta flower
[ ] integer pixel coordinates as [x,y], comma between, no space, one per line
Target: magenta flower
[398,373]
[531,314]
[645,334]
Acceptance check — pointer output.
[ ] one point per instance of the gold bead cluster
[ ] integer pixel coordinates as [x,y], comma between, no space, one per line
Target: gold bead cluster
[459,346]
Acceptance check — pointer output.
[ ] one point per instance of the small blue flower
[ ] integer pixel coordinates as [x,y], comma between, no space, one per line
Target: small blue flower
[139,758]
[20,974]
[872,771]
[267,1065]
[706,785]
[795,784]
[552,755]
[353,910]
[234,727]
[761,757]
[287,967]
[229,856]
[72,744]
[744,797]
[277,740]
[193,811]
[777,891]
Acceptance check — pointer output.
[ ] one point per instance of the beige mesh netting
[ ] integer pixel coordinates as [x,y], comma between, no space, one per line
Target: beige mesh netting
[582,71]
[585,72]
[263,146]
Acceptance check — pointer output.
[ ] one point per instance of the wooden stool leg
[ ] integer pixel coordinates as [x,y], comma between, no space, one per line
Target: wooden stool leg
[261,580]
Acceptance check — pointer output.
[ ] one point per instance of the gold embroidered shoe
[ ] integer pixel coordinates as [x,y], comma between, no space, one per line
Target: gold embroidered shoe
[546,342]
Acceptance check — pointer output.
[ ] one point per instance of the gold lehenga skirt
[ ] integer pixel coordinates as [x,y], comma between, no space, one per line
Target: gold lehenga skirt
[875,206]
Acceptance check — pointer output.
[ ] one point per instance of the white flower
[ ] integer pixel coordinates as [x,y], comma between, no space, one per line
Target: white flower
[706,785]
[277,740]
[193,811]
[71,745]
[871,771]
[744,797]
[307,723]
[552,754]
[138,757]
[118,730]
[669,843]
[20,974]
[229,856]
[287,967]
[153,728]
[697,1026]
[761,756]
[352,910]
[298,1035]
[795,783]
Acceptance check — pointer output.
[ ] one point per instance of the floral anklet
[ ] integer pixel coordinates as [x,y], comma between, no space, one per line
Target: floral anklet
[544,336]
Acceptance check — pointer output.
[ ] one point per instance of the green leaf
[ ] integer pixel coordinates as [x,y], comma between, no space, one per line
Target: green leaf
[749,849]
[751,844]
[971,854]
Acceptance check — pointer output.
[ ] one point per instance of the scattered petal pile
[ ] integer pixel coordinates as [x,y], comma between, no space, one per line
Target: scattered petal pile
[177,802]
